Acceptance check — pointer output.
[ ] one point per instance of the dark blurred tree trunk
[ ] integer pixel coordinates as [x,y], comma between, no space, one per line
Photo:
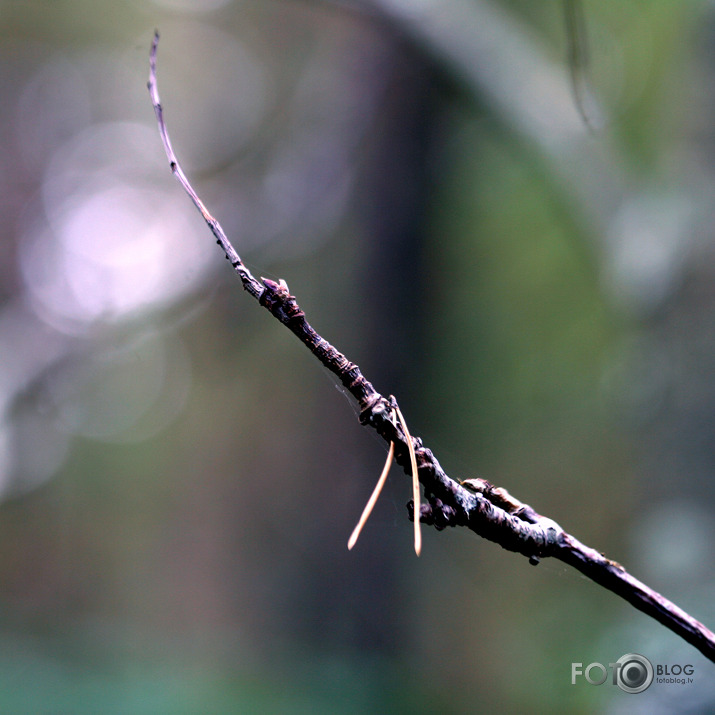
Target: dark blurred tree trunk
[392,204]
[396,196]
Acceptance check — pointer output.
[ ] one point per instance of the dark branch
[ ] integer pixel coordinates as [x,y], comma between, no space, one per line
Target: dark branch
[475,504]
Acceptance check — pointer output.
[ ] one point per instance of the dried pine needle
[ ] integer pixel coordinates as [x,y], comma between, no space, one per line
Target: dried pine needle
[373,498]
[415,483]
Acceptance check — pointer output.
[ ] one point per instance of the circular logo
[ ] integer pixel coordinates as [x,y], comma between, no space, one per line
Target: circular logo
[635,673]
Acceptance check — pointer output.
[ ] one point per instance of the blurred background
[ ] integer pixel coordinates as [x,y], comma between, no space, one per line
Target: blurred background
[179,476]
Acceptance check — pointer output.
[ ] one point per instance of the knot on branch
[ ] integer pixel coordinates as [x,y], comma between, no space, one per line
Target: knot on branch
[376,411]
[511,531]
[435,513]
[278,300]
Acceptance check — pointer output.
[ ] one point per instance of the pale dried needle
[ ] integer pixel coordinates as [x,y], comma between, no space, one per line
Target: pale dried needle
[373,498]
[415,483]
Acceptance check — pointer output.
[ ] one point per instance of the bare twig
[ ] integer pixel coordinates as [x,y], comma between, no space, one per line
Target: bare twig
[486,510]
